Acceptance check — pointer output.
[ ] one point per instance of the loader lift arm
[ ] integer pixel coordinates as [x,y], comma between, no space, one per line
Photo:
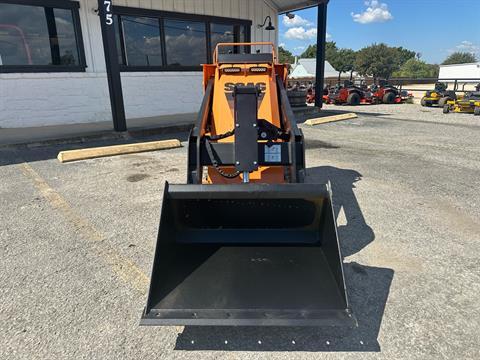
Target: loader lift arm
[292,150]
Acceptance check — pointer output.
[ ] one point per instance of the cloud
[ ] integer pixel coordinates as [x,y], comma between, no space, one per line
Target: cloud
[299,48]
[282,45]
[296,21]
[375,12]
[300,33]
[468,47]
[328,36]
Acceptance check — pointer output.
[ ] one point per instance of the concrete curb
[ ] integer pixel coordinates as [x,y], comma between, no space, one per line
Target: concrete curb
[114,150]
[329,119]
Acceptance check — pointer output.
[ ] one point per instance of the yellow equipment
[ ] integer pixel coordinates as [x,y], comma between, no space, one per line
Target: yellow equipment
[438,97]
[470,103]
[246,241]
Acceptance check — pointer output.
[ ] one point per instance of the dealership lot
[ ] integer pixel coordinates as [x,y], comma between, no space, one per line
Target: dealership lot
[77,241]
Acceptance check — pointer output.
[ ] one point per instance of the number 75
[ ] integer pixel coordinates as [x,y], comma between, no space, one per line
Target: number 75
[108,16]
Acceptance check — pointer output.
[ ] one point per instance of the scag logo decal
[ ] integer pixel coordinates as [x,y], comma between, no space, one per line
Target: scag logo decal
[230,86]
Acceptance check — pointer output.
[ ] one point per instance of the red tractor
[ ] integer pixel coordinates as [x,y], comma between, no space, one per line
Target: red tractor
[386,94]
[311,95]
[349,94]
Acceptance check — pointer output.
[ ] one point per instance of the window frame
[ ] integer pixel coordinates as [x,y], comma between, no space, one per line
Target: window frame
[161,15]
[74,6]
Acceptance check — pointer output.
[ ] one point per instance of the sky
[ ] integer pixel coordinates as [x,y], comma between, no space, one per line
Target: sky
[433,28]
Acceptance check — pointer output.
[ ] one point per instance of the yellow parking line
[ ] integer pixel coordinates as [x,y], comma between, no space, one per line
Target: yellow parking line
[124,268]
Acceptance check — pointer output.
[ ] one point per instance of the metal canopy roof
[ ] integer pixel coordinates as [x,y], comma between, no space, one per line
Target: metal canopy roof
[284,6]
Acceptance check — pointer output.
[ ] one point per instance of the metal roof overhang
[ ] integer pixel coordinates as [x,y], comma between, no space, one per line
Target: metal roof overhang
[284,6]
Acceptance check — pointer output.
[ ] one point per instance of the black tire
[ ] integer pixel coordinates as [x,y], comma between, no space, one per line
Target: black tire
[443,101]
[423,102]
[389,98]
[476,111]
[353,99]
[446,109]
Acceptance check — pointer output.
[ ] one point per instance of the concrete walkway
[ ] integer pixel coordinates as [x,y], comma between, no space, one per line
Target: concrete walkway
[98,130]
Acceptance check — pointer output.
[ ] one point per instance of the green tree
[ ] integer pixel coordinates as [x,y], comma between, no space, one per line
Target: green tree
[331,50]
[415,68]
[285,56]
[460,58]
[377,60]
[402,55]
[311,51]
[343,60]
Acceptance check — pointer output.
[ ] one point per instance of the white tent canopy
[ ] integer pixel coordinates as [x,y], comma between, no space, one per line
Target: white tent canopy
[306,68]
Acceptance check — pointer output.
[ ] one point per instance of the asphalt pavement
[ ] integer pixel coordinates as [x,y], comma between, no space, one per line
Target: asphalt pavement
[77,242]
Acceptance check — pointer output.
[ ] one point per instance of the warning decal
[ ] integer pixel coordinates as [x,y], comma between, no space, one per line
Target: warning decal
[273,153]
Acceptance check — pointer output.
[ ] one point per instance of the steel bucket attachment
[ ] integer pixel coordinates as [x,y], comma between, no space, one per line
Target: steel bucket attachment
[255,254]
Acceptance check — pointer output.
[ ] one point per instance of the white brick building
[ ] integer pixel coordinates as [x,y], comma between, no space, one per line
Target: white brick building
[52,58]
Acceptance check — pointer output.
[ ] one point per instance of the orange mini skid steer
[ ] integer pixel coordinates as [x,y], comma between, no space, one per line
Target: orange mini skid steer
[246,241]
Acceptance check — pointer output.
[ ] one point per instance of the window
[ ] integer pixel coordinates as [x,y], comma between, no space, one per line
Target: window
[222,33]
[186,43]
[141,38]
[40,38]
[151,40]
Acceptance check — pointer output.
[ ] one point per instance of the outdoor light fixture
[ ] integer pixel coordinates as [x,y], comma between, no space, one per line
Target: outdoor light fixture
[290,15]
[269,27]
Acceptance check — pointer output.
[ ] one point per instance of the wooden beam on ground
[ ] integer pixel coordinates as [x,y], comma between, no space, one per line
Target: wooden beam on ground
[328,119]
[92,153]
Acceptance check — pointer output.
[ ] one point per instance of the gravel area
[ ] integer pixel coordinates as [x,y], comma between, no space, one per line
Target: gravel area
[77,240]
[409,112]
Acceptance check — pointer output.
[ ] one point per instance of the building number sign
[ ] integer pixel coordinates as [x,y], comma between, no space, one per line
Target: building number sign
[108,12]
